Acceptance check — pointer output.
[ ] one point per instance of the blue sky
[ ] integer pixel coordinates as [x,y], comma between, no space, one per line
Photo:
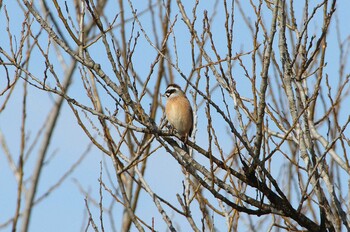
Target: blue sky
[64,210]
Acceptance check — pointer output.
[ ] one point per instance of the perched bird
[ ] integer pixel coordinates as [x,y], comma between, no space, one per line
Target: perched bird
[178,111]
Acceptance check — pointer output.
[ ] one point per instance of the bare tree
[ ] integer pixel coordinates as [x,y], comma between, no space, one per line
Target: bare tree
[270,142]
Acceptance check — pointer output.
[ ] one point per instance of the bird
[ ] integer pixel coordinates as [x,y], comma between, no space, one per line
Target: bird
[178,111]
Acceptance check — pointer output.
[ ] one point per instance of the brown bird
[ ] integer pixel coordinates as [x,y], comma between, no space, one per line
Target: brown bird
[178,111]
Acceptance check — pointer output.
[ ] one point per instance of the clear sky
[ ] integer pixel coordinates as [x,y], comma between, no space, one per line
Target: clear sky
[64,209]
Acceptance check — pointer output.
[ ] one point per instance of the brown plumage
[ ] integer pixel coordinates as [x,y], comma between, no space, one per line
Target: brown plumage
[178,111]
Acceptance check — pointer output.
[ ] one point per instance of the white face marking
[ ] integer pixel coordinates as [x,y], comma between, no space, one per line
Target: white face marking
[172,91]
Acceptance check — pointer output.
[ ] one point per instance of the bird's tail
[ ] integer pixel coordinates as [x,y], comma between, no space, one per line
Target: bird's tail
[185,147]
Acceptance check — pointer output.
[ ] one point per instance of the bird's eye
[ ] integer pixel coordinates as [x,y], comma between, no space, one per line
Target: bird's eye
[169,92]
